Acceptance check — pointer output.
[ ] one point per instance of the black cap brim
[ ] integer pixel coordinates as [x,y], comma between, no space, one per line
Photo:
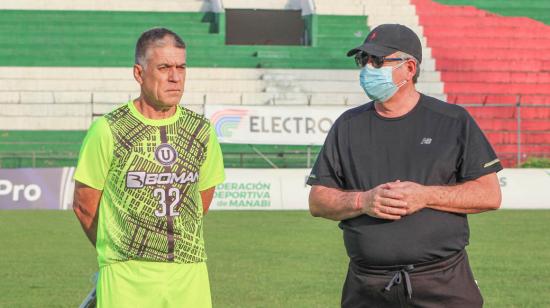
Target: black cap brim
[372,49]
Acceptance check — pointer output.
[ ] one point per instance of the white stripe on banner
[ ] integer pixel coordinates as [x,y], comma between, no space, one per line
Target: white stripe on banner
[67,188]
[525,188]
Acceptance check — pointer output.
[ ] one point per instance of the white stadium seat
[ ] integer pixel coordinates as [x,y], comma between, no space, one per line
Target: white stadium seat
[56,92]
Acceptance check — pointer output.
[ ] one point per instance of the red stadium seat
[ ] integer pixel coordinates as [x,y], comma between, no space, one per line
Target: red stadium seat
[490,63]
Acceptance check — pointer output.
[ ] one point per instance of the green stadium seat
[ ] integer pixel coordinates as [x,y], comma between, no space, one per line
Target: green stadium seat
[104,38]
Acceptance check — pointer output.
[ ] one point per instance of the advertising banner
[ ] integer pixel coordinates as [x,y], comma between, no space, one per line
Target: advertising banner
[262,189]
[525,188]
[244,189]
[27,188]
[300,125]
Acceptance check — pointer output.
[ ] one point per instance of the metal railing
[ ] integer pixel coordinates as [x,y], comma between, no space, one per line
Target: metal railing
[520,102]
[305,156]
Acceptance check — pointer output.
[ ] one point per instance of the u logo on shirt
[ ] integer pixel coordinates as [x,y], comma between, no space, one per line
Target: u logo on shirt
[165,154]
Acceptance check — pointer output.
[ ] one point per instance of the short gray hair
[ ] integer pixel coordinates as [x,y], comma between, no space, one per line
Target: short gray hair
[155,37]
[406,55]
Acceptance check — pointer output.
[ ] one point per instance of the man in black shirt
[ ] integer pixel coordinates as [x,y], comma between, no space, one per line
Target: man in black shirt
[401,172]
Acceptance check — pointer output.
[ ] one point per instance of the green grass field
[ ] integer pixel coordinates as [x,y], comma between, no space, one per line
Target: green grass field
[267,259]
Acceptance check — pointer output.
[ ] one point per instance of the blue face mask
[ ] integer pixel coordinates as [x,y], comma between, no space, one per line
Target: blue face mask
[378,82]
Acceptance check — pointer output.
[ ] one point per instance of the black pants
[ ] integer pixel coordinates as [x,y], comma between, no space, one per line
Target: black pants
[447,283]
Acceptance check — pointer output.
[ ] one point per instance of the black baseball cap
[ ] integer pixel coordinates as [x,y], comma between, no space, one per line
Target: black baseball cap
[389,38]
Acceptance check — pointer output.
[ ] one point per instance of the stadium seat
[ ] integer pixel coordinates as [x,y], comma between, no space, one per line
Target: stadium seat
[72,60]
[489,61]
[105,5]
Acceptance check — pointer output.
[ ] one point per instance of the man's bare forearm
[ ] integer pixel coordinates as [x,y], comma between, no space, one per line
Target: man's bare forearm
[85,206]
[336,204]
[88,222]
[464,198]
[206,196]
[476,196]
[332,203]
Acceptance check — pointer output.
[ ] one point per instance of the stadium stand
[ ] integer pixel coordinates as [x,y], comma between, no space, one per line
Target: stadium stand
[534,9]
[67,62]
[107,5]
[261,5]
[70,81]
[497,62]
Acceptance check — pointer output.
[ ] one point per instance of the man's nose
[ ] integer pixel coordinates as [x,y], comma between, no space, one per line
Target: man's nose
[173,75]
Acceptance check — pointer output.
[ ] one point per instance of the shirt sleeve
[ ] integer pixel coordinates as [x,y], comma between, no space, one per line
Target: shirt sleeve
[327,170]
[478,157]
[95,155]
[212,170]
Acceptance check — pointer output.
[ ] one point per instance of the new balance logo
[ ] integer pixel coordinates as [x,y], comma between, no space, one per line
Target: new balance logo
[426,141]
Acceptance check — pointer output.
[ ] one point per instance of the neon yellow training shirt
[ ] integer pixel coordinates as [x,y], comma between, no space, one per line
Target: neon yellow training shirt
[151,173]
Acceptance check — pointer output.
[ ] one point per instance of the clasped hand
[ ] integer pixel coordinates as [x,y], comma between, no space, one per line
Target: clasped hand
[393,200]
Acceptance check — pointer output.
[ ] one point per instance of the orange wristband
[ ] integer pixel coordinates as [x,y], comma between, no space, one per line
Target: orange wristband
[357,204]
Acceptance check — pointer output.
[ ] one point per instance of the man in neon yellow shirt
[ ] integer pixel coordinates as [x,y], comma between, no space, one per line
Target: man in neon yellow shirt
[145,178]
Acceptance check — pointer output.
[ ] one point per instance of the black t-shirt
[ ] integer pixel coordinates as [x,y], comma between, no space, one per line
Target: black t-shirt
[434,144]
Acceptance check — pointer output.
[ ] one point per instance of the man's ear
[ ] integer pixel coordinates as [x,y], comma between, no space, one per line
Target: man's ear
[412,67]
[138,73]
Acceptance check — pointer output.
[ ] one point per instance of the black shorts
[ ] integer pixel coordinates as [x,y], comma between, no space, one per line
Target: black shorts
[445,283]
